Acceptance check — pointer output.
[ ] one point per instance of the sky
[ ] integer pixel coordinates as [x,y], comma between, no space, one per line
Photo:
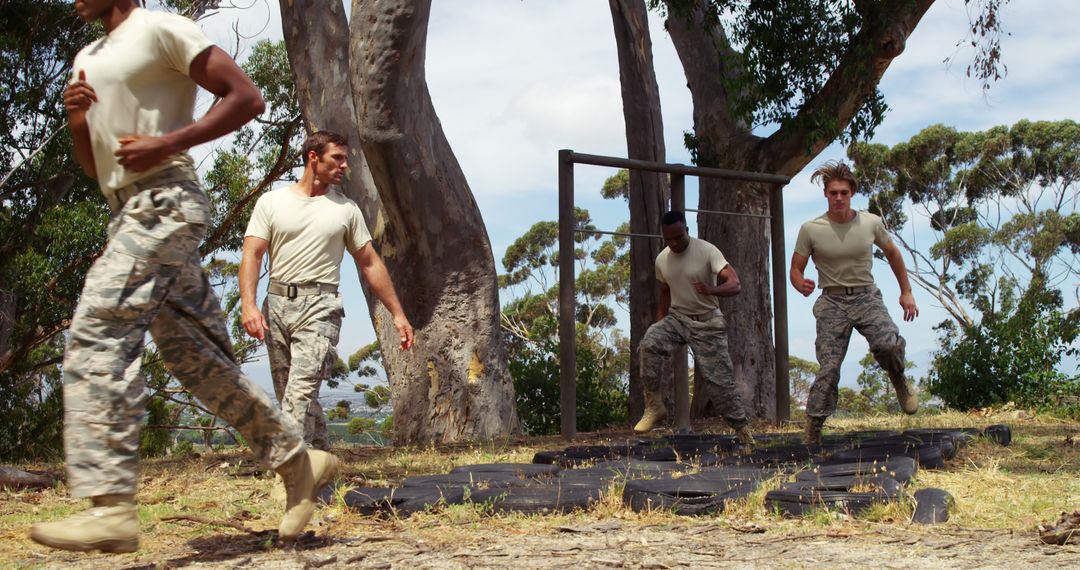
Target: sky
[514,81]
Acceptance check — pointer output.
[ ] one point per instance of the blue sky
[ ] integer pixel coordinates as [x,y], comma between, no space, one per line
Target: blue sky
[514,81]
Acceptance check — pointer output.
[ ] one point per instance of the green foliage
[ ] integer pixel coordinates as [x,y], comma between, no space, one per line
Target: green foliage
[1010,356]
[530,323]
[154,441]
[1001,210]
[801,375]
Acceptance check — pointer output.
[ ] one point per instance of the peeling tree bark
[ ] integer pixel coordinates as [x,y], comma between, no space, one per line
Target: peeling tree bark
[454,384]
[726,142]
[648,192]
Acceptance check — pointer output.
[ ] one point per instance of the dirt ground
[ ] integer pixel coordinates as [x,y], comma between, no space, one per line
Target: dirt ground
[605,544]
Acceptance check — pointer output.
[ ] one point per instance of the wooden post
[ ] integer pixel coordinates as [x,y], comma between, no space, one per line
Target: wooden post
[567,299]
[681,366]
[780,320]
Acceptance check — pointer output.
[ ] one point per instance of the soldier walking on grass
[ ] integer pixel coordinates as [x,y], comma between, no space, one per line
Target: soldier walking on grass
[840,243]
[307,228]
[692,274]
[130,107]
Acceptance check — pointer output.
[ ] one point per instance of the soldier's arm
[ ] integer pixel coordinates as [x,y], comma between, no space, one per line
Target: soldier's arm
[798,279]
[727,282]
[374,272]
[899,269]
[250,316]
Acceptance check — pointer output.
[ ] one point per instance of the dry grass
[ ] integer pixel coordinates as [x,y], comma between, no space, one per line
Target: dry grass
[995,488]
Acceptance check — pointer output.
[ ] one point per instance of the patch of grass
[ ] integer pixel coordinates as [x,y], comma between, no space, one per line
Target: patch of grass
[995,488]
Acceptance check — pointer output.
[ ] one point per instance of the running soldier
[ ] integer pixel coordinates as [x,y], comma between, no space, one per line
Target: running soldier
[692,274]
[840,243]
[130,106]
[307,228]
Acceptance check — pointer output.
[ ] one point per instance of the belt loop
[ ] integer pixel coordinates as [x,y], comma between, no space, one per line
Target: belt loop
[292,292]
[849,290]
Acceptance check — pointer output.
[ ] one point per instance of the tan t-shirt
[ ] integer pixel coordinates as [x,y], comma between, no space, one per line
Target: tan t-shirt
[308,235]
[700,261]
[842,253]
[140,74]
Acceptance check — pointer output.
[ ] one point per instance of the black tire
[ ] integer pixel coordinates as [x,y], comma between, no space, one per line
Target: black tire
[800,498]
[675,454]
[637,469]
[902,468]
[685,495]
[540,499]
[711,443]
[928,456]
[402,501]
[740,472]
[943,440]
[999,433]
[546,457]
[961,437]
[932,506]
[520,470]
[466,480]
[786,455]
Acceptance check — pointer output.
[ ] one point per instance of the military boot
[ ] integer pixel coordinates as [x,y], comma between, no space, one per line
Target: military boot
[111,525]
[812,435]
[654,412]
[905,394]
[746,439]
[303,476]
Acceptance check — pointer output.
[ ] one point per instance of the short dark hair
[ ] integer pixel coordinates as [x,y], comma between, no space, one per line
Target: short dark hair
[318,140]
[673,217]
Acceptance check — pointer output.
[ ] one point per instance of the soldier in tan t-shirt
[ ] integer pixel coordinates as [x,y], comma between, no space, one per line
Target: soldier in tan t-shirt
[307,228]
[841,244]
[693,274]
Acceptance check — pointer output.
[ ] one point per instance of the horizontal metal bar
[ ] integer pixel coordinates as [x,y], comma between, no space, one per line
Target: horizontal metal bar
[766,216]
[617,233]
[632,164]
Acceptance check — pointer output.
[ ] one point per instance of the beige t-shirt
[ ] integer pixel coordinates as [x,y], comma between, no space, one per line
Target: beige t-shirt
[140,74]
[842,252]
[700,261]
[308,235]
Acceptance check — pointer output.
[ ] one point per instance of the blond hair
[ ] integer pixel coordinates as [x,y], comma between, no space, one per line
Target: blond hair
[835,170]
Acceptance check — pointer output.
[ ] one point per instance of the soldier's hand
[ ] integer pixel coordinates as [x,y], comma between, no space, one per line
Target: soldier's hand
[78,96]
[405,330]
[254,322]
[139,153]
[807,287]
[907,302]
[702,288]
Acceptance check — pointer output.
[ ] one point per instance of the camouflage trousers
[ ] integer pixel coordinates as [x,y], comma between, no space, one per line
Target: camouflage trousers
[708,341]
[150,278]
[836,316]
[302,345]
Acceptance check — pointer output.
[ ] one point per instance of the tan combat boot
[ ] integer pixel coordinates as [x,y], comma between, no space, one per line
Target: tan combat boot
[654,412]
[812,435]
[111,525]
[303,476]
[746,440]
[905,394]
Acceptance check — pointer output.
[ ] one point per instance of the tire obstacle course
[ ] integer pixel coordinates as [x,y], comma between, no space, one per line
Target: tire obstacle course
[694,475]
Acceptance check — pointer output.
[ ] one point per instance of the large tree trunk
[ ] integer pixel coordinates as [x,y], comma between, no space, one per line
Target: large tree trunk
[725,141]
[454,383]
[317,39]
[648,193]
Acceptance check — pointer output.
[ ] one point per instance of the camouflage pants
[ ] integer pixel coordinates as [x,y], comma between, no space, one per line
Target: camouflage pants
[836,316]
[150,278]
[302,345]
[708,341]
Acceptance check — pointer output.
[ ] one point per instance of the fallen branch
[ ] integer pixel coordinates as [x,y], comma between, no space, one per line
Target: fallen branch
[211,522]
